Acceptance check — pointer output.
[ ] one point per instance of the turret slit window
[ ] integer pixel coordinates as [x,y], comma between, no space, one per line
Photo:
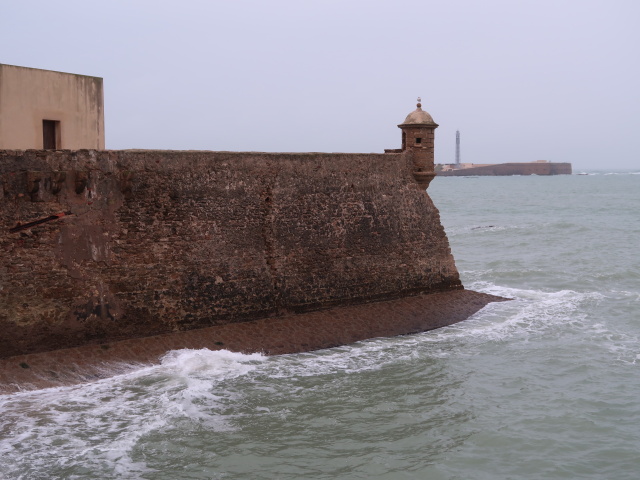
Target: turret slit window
[418,141]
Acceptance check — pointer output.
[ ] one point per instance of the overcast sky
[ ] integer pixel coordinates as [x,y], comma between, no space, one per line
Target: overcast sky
[522,80]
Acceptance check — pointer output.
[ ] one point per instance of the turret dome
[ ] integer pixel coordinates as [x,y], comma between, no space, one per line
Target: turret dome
[418,117]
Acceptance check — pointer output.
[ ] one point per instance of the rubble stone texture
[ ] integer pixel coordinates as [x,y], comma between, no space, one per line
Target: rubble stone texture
[140,242]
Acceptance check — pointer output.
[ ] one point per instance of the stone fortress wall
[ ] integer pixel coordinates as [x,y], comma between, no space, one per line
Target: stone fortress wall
[139,242]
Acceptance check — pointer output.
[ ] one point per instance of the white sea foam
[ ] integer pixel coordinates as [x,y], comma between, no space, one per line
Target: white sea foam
[206,364]
[530,312]
[559,313]
[100,424]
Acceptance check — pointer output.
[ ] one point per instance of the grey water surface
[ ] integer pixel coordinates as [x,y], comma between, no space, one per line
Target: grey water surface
[545,386]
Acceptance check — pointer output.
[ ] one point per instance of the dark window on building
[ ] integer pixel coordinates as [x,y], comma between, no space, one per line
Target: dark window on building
[418,140]
[50,134]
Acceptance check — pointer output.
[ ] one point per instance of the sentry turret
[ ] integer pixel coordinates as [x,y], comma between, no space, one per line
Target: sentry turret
[417,142]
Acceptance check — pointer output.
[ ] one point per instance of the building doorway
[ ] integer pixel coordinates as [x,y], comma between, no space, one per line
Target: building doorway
[50,134]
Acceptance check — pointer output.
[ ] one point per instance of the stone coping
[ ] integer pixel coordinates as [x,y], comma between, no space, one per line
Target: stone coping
[270,336]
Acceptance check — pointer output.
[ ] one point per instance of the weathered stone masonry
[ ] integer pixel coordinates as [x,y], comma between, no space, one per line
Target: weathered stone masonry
[163,241]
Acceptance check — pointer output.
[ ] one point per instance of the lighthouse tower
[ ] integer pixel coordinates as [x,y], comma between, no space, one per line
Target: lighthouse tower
[417,142]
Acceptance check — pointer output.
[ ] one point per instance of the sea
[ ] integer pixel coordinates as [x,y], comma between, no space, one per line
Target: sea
[546,386]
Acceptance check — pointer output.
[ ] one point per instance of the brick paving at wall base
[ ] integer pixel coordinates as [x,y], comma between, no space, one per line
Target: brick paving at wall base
[271,336]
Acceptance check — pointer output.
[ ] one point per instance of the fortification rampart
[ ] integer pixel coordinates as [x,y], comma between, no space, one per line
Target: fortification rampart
[136,243]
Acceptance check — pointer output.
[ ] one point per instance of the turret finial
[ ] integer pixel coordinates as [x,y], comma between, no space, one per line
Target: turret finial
[419,102]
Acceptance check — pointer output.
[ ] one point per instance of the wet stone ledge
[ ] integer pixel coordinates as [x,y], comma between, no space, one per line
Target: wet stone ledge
[272,336]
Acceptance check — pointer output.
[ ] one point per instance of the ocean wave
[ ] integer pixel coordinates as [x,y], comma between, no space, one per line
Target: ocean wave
[530,312]
[97,426]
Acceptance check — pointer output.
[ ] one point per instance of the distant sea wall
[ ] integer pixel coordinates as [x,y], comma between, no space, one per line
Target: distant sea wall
[533,168]
[101,246]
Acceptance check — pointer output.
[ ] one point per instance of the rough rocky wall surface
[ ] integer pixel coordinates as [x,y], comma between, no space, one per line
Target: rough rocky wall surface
[163,241]
[512,169]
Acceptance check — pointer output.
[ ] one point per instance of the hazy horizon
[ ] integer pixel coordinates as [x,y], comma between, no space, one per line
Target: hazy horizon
[522,81]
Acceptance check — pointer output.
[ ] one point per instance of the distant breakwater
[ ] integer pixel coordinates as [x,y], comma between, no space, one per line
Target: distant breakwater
[506,169]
